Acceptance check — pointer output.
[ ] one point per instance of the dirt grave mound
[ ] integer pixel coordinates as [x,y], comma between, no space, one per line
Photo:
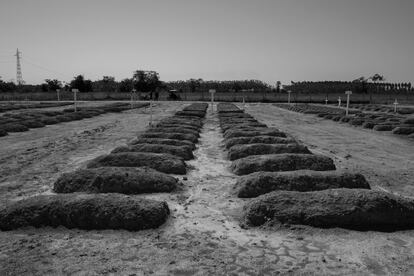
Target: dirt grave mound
[282,162]
[241,151]
[175,120]
[403,130]
[32,124]
[14,127]
[358,209]
[409,121]
[158,161]
[234,115]
[244,127]
[177,136]
[168,125]
[240,133]
[259,183]
[162,141]
[174,130]
[258,139]
[199,114]
[184,152]
[49,120]
[383,127]
[85,211]
[115,180]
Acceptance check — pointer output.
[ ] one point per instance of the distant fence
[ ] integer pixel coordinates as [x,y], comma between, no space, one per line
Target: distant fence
[383,98]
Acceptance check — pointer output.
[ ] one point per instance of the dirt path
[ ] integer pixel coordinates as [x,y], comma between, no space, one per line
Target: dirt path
[202,236]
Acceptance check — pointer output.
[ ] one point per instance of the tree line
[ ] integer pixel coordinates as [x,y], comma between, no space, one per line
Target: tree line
[149,81]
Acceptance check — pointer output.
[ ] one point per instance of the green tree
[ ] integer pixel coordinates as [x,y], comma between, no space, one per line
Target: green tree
[80,83]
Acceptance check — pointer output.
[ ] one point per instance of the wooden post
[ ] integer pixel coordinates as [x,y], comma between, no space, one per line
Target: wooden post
[58,94]
[348,94]
[150,123]
[212,92]
[289,96]
[339,102]
[75,99]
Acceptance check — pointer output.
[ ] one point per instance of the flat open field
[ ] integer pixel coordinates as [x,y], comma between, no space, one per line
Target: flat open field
[203,235]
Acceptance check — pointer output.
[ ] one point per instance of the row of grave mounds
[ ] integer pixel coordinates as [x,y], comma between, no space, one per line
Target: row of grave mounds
[21,122]
[378,121]
[290,185]
[101,196]
[11,106]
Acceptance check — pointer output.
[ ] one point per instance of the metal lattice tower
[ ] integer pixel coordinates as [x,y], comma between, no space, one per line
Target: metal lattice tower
[19,77]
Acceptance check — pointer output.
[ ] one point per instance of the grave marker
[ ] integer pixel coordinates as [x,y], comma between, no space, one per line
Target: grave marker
[348,94]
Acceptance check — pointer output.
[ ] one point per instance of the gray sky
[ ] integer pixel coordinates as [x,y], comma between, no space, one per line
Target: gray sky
[211,39]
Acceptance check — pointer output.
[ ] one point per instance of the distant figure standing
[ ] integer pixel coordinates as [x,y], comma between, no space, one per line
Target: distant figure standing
[157,95]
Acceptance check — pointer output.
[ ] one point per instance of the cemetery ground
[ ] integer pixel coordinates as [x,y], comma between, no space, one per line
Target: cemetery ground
[203,235]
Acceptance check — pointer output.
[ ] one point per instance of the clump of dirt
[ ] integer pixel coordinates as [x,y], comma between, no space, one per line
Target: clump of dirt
[258,139]
[241,151]
[259,183]
[251,133]
[3,132]
[358,209]
[159,161]
[162,141]
[115,180]
[282,162]
[184,152]
[170,135]
[85,211]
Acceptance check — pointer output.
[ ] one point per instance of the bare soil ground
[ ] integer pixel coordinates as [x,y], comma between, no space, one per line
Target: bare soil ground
[203,235]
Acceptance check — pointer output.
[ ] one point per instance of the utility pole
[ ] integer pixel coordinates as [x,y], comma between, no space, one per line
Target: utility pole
[19,77]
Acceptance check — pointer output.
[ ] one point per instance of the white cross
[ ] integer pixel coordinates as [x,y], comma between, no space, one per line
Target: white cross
[395,106]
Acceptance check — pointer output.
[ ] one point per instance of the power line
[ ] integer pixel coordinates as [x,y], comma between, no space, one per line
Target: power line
[43,68]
